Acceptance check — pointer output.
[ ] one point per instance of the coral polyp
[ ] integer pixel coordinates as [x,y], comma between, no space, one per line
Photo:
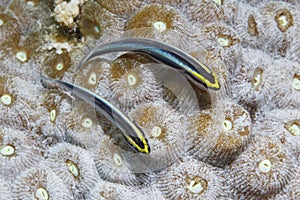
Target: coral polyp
[94,76]
[18,151]
[262,170]
[82,128]
[199,139]
[165,136]
[39,183]
[284,19]
[248,24]
[207,98]
[204,12]
[252,81]
[220,39]
[74,166]
[259,89]
[162,21]
[283,125]
[22,55]
[16,93]
[26,14]
[218,135]
[132,82]
[56,65]
[279,21]
[234,134]
[191,179]
[55,111]
[95,20]
[288,84]
[112,165]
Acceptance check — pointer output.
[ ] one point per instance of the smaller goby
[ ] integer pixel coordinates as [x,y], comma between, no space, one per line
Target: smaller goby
[132,133]
[164,53]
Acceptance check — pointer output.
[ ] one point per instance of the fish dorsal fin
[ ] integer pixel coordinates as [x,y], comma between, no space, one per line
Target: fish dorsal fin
[177,89]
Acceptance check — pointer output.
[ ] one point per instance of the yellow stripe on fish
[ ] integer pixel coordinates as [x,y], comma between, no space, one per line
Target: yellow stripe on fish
[131,132]
[164,53]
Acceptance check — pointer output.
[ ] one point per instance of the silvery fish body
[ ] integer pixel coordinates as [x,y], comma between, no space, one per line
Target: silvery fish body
[164,53]
[131,132]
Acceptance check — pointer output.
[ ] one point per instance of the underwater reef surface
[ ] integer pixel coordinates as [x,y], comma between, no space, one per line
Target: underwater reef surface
[239,142]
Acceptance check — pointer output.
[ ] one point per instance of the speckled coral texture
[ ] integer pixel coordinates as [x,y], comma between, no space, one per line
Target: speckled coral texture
[239,142]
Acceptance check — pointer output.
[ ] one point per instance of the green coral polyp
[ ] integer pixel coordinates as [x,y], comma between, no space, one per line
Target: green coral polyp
[87,122]
[6,99]
[7,150]
[41,194]
[73,168]
[265,166]
[22,56]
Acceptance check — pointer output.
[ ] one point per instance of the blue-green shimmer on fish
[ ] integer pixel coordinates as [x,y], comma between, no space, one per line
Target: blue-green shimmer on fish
[131,132]
[164,53]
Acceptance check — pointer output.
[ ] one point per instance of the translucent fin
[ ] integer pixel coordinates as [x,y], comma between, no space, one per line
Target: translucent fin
[185,103]
[220,70]
[179,92]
